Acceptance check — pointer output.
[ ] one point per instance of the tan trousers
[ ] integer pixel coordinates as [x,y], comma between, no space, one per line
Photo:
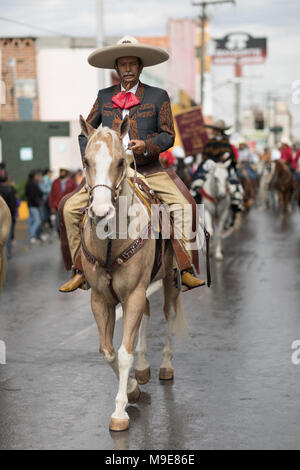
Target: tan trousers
[162,185]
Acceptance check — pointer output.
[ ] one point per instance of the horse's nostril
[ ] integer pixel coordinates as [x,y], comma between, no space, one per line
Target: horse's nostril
[104,216]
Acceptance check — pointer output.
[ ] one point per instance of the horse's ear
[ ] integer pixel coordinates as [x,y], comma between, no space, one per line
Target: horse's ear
[209,165]
[86,128]
[125,125]
[227,163]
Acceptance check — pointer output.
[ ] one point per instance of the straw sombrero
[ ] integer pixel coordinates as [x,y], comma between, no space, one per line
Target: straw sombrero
[218,125]
[128,46]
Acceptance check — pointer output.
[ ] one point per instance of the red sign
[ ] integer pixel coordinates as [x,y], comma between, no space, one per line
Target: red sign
[191,129]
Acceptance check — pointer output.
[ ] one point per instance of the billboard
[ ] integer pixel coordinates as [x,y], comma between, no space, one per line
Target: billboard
[239,47]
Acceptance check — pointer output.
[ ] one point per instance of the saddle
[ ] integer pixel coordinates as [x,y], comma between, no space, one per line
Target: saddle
[148,198]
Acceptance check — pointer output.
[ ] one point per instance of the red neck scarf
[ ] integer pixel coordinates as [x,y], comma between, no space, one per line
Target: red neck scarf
[125,100]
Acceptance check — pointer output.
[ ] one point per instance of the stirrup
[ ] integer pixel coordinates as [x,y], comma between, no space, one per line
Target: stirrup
[178,280]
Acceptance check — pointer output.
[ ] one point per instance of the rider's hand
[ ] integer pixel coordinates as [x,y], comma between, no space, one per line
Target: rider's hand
[137,146]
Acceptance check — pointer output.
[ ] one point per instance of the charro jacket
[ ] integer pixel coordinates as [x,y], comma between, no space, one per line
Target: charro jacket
[150,121]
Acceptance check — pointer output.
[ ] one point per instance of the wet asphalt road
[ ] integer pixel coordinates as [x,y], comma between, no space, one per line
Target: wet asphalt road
[235,386]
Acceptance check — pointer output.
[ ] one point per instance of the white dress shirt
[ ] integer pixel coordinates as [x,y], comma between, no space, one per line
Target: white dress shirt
[125,112]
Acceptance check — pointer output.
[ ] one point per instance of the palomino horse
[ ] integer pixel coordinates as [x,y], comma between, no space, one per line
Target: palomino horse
[124,281]
[283,182]
[5,227]
[216,198]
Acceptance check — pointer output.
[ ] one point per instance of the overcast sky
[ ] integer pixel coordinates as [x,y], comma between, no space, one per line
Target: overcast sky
[278,20]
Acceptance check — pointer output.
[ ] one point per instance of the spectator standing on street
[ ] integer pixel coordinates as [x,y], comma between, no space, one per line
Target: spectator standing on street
[16,213]
[62,186]
[34,197]
[78,177]
[45,186]
[8,194]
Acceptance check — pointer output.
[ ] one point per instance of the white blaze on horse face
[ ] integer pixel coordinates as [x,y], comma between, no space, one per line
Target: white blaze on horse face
[102,203]
[221,174]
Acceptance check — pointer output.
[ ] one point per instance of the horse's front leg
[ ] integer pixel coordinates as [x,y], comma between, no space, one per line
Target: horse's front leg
[142,369]
[105,315]
[219,235]
[105,318]
[133,312]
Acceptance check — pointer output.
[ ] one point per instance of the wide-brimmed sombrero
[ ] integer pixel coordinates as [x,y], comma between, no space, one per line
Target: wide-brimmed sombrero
[218,125]
[128,46]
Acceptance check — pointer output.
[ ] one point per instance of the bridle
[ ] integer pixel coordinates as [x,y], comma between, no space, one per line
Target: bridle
[115,191]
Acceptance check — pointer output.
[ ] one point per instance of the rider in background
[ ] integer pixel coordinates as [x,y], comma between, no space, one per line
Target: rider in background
[296,161]
[286,151]
[219,149]
[266,155]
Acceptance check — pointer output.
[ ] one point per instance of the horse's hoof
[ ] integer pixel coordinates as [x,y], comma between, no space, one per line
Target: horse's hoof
[118,425]
[143,376]
[166,374]
[134,396]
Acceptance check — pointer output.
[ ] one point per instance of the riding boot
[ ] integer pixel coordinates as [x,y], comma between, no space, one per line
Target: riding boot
[189,281]
[78,279]
[188,278]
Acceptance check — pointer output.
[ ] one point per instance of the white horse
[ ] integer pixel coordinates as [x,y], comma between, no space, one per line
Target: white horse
[266,194]
[216,199]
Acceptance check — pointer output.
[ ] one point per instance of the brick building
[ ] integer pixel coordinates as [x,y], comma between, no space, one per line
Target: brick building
[25,139]
[18,70]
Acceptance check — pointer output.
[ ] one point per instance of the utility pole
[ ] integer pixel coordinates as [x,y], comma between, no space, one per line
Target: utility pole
[203,19]
[100,38]
[238,75]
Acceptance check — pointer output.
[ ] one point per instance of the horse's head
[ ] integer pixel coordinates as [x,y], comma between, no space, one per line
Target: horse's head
[219,175]
[105,165]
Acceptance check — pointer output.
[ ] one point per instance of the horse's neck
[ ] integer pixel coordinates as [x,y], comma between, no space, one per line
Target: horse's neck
[283,174]
[209,185]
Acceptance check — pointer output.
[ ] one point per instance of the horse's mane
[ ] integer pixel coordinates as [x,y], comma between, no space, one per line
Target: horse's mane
[103,133]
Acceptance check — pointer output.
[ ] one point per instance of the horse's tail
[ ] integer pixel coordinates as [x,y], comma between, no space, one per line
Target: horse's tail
[2,264]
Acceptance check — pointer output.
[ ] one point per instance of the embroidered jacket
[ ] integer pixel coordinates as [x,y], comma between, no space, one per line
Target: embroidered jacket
[215,149]
[150,121]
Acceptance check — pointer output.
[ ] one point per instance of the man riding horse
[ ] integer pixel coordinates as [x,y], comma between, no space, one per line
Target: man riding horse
[219,149]
[151,133]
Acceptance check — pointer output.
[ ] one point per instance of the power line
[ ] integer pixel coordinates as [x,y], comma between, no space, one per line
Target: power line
[204,18]
[9,20]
